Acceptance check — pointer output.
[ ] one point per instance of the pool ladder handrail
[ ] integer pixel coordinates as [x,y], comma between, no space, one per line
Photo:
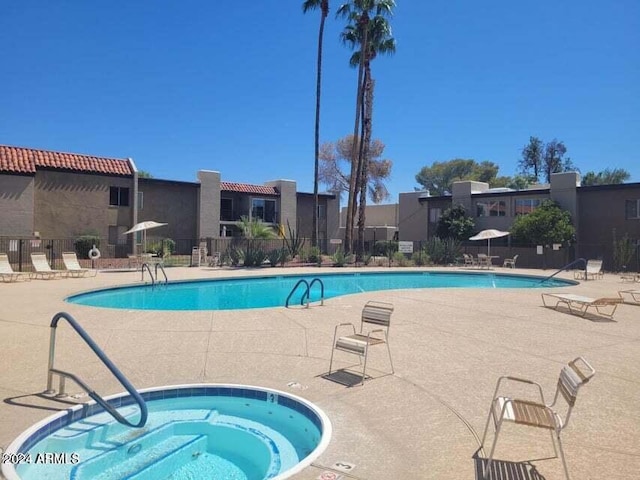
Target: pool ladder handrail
[154,277]
[105,360]
[307,291]
[582,260]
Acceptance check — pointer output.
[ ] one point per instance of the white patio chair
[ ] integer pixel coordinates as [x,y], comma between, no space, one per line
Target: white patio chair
[373,313]
[510,262]
[537,413]
[7,274]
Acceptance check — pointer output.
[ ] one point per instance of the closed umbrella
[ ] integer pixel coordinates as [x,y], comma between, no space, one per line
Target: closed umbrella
[488,235]
[143,227]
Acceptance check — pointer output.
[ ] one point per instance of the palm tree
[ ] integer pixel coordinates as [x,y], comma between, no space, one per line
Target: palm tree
[368,30]
[324,11]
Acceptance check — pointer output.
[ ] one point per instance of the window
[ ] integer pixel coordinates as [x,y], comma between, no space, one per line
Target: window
[435,214]
[226,209]
[488,208]
[322,211]
[632,209]
[116,235]
[264,210]
[140,200]
[119,196]
[525,206]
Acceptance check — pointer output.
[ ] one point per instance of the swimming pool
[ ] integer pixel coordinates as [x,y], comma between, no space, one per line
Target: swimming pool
[218,432]
[272,291]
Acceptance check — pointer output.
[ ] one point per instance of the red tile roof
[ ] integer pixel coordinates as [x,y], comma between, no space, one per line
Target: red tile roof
[26,160]
[246,188]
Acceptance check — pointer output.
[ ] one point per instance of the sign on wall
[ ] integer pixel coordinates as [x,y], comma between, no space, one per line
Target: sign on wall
[405,247]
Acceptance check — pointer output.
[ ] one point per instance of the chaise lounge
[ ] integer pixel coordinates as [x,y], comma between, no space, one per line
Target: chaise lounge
[579,304]
[7,274]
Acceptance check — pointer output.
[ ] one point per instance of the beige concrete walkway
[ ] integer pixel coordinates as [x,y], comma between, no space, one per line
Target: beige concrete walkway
[424,422]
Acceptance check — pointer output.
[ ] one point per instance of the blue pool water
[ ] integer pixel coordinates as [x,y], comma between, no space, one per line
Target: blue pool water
[192,432]
[261,292]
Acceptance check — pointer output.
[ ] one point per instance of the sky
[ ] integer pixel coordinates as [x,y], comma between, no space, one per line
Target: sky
[180,86]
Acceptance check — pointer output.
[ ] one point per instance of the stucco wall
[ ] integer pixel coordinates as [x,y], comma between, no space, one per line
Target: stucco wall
[17,205]
[600,210]
[288,202]
[173,203]
[413,216]
[71,204]
[209,204]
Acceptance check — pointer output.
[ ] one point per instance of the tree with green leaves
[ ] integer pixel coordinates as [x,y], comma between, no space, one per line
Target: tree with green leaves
[455,223]
[546,225]
[335,168]
[368,32]
[144,174]
[439,177]
[255,228]
[538,158]
[531,161]
[606,177]
[323,5]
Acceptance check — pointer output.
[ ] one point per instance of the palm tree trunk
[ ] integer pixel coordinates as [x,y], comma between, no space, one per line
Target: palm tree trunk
[367,124]
[348,235]
[314,233]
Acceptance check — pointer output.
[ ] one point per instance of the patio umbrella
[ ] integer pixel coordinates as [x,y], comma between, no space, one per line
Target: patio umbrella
[143,227]
[488,235]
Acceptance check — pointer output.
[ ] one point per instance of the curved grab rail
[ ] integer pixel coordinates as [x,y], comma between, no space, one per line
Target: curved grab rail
[145,264]
[295,287]
[105,360]
[159,265]
[308,292]
[584,262]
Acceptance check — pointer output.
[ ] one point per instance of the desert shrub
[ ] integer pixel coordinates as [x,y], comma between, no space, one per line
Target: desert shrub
[401,260]
[340,259]
[420,258]
[313,255]
[385,248]
[442,251]
[276,256]
[162,248]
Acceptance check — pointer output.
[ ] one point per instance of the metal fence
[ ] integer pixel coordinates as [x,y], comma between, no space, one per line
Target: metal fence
[117,256]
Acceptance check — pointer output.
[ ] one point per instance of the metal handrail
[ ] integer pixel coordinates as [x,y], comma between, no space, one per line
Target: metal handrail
[105,360]
[584,262]
[299,282]
[308,292]
[145,264]
[166,280]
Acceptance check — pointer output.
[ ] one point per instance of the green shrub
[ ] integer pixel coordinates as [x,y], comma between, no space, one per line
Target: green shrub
[313,255]
[420,258]
[84,243]
[442,251]
[162,248]
[385,248]
[339,258]
[275,256]
[401,260]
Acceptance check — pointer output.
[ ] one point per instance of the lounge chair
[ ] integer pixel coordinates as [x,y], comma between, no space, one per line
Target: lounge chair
[7,274]
[631,297]
[580,305]
[593,269]
[537,413]
[510,262]
[43,269]
[373,313]
[73,267]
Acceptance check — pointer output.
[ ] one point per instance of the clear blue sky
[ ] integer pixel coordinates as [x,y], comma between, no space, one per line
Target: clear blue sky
[230,86]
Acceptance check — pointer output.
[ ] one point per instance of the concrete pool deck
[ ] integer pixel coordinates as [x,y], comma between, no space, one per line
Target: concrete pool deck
[449,347]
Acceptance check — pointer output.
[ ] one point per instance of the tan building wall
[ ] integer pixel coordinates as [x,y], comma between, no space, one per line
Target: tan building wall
[209,204]
[413,216]
[287,203]
[600,211]
[175,203]
[17,202]
[71,204]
